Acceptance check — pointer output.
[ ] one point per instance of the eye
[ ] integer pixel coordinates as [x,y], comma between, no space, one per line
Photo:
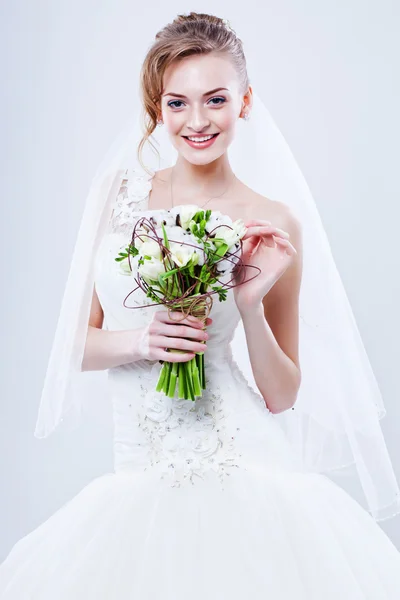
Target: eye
[174,102]
[218,98]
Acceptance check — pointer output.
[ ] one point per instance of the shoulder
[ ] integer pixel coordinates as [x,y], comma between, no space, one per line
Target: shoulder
[279,213]
[163,175]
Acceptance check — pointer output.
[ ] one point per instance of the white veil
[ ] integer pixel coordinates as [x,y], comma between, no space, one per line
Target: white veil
[334,425]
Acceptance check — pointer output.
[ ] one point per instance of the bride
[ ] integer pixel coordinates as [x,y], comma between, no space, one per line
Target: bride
[227,496]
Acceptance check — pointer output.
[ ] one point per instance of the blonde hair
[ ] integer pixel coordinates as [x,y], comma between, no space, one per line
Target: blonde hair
[187,35]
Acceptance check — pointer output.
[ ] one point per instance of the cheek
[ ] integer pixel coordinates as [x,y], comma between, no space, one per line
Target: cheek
[226,120]
[173,122]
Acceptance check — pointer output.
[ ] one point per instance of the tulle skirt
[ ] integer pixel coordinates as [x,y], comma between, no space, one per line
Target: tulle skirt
[277,535]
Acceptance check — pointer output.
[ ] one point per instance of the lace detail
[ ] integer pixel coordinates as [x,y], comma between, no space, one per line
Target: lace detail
[187,438]
[132,198]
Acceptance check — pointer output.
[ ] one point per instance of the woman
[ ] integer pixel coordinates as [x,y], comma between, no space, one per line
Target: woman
[208,499]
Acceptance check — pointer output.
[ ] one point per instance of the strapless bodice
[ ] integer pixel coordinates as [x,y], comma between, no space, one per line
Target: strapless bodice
[227,425]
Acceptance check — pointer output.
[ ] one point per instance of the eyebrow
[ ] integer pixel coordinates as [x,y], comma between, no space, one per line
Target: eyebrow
[206,94]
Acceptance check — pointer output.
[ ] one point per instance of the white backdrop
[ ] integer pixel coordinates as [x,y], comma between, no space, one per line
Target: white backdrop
[331,84]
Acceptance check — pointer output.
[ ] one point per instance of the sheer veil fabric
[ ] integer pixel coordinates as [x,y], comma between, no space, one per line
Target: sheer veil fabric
[335,423]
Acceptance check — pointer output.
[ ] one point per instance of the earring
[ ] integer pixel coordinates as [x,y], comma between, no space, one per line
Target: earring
[246,116]
[159,123]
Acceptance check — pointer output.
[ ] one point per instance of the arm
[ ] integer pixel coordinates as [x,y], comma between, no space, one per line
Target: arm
[106,349]
[272,331]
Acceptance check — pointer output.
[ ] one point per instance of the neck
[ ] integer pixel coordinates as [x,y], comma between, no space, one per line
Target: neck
[204,177]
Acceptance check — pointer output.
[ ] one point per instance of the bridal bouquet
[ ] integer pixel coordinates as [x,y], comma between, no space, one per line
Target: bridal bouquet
[180,254]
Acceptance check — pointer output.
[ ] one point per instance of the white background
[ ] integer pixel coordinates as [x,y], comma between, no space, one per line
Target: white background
[69,71]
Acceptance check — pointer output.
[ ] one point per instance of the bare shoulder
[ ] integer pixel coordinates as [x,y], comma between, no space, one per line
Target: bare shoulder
[163,175]
[279,213]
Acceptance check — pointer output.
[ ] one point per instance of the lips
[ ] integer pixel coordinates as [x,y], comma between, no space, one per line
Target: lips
[199,136]
[200,145]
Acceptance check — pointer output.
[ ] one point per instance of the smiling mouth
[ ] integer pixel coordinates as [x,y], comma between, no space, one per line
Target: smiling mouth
[201,138]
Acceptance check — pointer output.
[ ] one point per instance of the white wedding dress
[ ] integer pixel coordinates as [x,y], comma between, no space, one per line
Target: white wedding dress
[207,501]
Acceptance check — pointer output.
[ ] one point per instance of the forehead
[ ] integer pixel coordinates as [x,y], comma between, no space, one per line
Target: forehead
[195,75]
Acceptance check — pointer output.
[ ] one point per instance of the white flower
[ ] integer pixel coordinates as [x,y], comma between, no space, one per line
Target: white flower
[124,267]
[141,236]
[181,254]
[231,236]
[186,213]
[175,233]
[151,248]
[225,266]
[156,217]
[194,246]
[216,219]
[151,269]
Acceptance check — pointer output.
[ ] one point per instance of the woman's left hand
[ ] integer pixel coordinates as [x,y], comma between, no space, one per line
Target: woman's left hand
[268,248]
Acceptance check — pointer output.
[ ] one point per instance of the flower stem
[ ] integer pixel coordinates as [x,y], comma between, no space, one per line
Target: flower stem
[181,380]
[196,381]
[161,379]
[172,381]
[190,375]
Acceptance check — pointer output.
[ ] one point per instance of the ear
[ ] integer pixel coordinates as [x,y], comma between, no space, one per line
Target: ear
[248,98]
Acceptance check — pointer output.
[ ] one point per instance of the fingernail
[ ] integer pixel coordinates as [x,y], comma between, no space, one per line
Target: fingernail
[282,232]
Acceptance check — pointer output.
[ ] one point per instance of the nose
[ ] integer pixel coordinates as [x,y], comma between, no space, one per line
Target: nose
[198,120]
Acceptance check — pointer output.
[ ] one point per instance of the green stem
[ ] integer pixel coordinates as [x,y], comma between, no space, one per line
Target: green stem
[196,381]
[167,378]
[161,379]
[189,380]
[172,381]
[181,382]
[200,366]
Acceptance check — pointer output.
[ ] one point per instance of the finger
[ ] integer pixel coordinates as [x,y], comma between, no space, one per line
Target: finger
[263,230]
[261,223]
[251,244]
[257,231]
[184,331]
[187,345]
[177,317]
[281,233]
[290,249]
[174,357]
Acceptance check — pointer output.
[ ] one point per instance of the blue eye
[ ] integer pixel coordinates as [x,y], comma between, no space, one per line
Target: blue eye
[218,98]
[174,102]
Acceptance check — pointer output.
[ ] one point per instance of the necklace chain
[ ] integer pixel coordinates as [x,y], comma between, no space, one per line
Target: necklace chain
[227,189]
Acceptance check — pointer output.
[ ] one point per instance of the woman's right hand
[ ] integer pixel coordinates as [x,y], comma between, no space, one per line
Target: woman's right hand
[163,332]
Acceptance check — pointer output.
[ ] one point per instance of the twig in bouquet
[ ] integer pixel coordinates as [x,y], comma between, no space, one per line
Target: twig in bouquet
[172,303]
[180,281]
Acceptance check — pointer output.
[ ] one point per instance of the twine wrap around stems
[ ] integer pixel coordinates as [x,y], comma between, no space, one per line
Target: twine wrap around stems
[198,306]
[189,376]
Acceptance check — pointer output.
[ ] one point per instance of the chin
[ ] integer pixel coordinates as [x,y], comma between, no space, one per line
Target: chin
[200,157]
[201,160]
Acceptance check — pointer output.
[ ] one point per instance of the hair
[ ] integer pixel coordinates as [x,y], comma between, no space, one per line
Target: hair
[187,35]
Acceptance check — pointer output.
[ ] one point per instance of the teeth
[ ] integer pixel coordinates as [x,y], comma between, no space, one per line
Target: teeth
[200,139]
